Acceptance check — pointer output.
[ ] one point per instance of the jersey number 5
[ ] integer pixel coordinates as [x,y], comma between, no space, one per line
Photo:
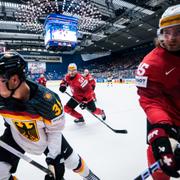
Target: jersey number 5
[142,69]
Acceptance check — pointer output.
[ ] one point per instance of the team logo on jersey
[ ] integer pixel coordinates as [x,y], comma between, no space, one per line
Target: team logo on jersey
[28,129]
[47,96]
[168,72]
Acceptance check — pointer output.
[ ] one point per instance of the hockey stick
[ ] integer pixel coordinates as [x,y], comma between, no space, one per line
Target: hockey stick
[122,131]
[153,168]
[26,158]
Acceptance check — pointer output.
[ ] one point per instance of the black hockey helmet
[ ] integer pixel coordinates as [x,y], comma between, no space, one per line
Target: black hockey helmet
[12,63]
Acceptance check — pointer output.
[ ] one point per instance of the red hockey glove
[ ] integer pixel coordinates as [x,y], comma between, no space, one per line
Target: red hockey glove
[162,149]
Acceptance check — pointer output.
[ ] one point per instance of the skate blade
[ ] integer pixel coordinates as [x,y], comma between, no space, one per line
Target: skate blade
[80,123]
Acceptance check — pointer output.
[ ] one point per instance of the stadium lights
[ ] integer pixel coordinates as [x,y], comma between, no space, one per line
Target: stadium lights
[32,12]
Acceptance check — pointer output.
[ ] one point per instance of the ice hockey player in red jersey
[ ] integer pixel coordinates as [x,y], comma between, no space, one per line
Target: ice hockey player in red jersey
[82,94]
[158,83]
[91,80]
[42,80]
[34,120]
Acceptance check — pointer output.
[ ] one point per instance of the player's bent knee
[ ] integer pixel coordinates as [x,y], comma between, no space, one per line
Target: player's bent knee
[67,109]
[92,108]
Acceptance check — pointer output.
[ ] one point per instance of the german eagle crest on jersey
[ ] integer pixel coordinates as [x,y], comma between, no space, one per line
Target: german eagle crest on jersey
[28,129]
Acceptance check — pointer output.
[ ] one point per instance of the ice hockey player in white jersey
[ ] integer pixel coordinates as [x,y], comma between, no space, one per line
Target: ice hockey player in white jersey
[34,120]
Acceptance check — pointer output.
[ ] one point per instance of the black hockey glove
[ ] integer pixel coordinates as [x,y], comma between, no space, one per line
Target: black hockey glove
[51,178]
[177,155]
[56,168]
[82,106]
[172,131]
[162,150]
[47,177]
[62,88]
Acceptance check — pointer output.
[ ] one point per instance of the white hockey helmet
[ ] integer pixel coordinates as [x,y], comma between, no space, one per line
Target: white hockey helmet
[72,67]
[171,17]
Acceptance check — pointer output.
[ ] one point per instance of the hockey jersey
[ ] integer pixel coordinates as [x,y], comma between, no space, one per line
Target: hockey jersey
[158,83]
[80,87]
[37,123]
[91,80]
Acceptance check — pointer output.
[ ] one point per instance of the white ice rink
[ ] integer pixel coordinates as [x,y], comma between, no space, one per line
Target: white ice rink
[109,155]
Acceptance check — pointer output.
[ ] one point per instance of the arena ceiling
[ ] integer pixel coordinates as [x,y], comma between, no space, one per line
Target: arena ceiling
[106,25]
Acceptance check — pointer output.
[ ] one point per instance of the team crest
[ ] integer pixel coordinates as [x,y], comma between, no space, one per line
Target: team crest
[28,129]
[47,96]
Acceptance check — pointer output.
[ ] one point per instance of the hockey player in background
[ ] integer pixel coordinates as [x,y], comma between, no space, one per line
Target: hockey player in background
[34,121]
[158,82]
[109,79]
[91,80]
[42,80]
[82,94]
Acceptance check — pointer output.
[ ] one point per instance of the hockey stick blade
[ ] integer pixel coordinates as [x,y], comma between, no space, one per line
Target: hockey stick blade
[120,131]
[123,131]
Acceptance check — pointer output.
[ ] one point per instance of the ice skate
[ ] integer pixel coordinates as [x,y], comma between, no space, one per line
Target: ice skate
[103,115]
[79,121]
[91,176]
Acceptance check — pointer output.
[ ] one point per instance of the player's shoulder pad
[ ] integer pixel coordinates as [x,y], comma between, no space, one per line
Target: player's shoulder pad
[47,103]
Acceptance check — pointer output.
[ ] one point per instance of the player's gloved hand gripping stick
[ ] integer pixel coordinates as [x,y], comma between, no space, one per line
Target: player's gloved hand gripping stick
[26,158]
[158,165]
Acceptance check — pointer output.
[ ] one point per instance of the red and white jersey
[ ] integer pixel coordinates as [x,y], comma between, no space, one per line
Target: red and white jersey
[158,83]
[80,87]
[90,79]
[42,81]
